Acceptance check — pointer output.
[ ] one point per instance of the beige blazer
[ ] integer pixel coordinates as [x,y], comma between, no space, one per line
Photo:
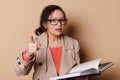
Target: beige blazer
[44,67]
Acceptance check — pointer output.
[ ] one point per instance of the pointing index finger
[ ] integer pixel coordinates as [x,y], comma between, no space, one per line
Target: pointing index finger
[32,40]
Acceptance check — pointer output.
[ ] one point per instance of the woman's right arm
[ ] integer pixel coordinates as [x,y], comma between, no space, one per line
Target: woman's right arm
[26,59]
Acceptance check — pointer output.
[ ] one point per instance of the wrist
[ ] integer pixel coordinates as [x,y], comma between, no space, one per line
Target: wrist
[28,54]
[27,57]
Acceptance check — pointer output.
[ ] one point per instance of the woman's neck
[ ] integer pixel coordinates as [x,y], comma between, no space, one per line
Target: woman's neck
[54,41]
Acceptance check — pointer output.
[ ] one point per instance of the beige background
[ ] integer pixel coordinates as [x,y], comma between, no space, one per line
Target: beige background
[95,23]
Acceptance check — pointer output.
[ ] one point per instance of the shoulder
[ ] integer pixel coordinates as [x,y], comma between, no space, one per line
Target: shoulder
[40,37]
[68,38]
[70,41]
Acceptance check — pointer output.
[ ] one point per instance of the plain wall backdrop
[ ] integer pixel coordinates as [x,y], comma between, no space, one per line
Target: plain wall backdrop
[95,23]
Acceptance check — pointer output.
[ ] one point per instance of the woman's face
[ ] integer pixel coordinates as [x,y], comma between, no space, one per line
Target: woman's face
[55,23]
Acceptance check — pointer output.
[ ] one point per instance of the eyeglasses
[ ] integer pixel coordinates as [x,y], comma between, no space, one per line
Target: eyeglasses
[55,21]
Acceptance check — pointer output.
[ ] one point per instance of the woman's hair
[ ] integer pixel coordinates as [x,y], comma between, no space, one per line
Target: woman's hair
[44,17]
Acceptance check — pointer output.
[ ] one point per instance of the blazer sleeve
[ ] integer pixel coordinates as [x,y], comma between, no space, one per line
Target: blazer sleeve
[77,51]
[22,67]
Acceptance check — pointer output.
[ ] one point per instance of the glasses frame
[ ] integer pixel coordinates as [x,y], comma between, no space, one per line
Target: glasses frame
[55,21]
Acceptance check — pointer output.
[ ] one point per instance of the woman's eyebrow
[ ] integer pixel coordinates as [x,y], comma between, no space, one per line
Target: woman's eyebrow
[57,18]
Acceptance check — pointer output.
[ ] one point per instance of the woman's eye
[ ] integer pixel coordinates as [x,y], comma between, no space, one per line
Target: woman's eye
[53,20]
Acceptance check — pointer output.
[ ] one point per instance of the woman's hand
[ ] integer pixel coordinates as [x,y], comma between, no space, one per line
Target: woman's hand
[32,47]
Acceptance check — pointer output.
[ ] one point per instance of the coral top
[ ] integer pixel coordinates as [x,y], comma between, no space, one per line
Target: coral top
[56,53]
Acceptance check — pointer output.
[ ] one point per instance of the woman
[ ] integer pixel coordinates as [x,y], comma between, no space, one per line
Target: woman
[51,52]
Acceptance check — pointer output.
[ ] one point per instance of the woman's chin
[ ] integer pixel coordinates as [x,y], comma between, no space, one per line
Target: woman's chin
[58,33]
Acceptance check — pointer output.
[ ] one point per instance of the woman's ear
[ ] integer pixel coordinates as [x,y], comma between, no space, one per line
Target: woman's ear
[45,25]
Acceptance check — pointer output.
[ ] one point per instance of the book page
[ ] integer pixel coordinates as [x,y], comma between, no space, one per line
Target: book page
[86,65]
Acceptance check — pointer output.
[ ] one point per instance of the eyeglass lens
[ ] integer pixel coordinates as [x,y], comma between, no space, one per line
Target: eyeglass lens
[55,21]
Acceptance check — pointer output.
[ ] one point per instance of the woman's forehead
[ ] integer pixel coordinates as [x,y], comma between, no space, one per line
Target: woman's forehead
[57,14]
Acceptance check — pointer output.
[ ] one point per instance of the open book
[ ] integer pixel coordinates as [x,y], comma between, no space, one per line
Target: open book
[89,68]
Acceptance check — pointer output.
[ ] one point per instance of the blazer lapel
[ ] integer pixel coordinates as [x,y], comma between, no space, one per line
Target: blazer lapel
[50,67]
[67,61]
[50,64]
[42,40]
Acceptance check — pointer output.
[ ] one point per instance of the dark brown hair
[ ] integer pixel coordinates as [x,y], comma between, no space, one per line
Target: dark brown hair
[44,17]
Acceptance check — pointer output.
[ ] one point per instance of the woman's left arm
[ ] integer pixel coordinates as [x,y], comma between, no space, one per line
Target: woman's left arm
[77,53]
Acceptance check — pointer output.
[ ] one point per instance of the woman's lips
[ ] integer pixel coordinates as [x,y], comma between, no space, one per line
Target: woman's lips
[59,29]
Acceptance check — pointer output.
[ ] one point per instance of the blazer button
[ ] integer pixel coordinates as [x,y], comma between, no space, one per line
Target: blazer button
[19,63]
[40,64]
